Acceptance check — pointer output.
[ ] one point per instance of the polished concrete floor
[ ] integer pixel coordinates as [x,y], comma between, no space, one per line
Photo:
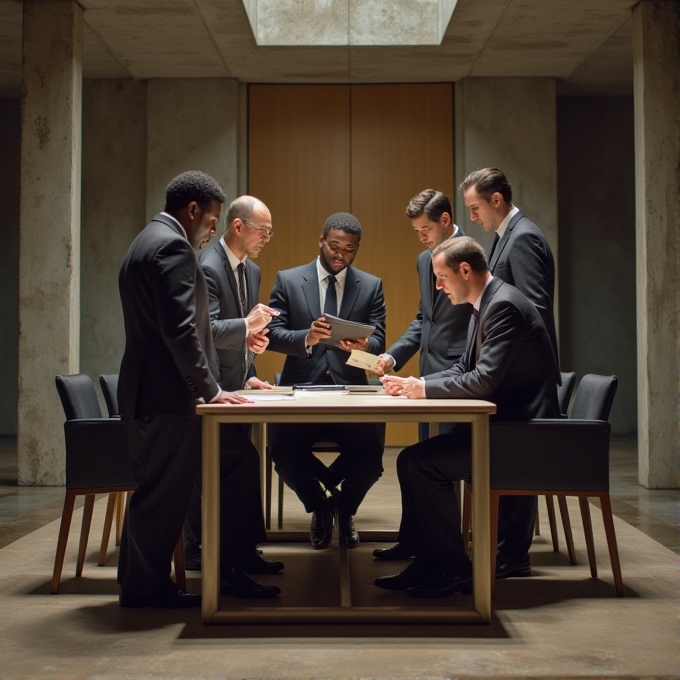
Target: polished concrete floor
[559,623]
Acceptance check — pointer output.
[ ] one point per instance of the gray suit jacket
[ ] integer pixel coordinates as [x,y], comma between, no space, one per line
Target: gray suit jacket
[296,295]
[523,259]
[439,331]
[228,325]
[169,360]
[508,361]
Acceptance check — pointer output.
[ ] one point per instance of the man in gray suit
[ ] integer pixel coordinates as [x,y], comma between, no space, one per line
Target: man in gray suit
[508,360]
[520,254]
[331,284]
[238,327]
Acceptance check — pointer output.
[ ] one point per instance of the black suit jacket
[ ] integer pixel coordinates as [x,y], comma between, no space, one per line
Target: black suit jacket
[296,295]
[523,259]
[226,320]
[439,331]
[169,360]
[508,361]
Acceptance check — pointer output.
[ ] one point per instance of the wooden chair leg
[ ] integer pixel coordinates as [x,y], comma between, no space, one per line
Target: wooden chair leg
[537,525]
[180,570]
[84,533]
[611,542]
[108,521]
[64,527]
[280,509]
[566,525]
[493,537]
[588,531]
[466,517]
[552,520]
[121,500]
[268,493]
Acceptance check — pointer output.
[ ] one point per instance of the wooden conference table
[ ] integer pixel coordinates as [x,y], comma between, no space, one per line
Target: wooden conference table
[346,408]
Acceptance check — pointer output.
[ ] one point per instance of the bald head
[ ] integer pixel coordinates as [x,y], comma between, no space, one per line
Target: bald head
[249,226]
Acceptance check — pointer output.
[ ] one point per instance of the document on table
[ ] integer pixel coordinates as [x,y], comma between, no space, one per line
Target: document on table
[269,396]
[365,360]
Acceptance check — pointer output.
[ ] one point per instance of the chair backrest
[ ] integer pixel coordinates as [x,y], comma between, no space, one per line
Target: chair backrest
[564,391]
[78,397]
[594,397]
[109,385]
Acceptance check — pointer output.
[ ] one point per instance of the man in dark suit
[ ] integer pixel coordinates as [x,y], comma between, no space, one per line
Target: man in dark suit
[508,360]
[331,284]
[238,327]
[520,254]
[440,329]
[167,368]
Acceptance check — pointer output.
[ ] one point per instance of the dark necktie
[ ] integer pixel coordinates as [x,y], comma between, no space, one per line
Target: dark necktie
[472,341]
[433,286]
[242,288]
[331,304]
[496,239]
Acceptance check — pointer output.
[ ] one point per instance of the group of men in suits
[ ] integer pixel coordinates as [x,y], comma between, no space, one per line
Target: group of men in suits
[193,330]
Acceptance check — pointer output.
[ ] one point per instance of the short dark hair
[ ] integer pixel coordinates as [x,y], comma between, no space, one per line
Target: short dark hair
[344,222]
[487,182]
[430,202]
[192,185]
[462,249]
[241,208]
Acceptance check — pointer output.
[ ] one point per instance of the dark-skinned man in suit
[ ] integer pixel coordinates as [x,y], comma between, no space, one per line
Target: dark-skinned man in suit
[239,332]
[439,330]
[169,366]
[508,360]
[328,284]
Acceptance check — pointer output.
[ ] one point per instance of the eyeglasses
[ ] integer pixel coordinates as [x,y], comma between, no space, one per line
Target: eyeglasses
[265,233]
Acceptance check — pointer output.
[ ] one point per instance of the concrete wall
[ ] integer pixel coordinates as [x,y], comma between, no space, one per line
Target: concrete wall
[10,160]
[597,245]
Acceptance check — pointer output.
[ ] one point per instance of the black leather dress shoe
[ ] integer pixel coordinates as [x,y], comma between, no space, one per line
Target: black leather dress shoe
[321,529]
[506,569]
[444,582]
[234,581]
[258,565]
[346,531]
[396,552]
[174,599]
[413,575]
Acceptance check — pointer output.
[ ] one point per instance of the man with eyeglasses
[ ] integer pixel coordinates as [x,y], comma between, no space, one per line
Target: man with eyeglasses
[239,332]
[302,295]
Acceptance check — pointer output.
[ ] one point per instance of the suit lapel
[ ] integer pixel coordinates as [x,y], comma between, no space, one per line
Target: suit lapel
[229,272]
[502,244]
[350,294]
[310,289]
[250,285]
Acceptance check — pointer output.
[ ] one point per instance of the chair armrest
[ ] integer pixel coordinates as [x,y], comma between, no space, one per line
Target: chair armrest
[550,455]
[97,454]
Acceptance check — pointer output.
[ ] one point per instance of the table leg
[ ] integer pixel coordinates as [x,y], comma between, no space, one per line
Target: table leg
[481,551]
[211,517]
[259,439]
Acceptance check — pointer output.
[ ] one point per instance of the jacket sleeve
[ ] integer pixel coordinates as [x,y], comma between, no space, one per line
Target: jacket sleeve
[174,285]
[281,338]
[376,342]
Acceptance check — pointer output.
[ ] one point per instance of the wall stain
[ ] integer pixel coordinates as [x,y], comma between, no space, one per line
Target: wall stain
[42,131]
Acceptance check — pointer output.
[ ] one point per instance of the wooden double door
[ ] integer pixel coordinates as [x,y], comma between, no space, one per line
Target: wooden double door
[365,149]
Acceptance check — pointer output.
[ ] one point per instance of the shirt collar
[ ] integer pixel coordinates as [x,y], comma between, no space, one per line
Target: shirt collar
[323,274]
[504,224]
[174,219]
[234,262]
[478,301]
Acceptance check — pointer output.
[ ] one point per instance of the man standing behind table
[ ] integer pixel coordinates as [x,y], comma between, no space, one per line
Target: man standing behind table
[508,360]
[520,254]
[331,284]
[238,329]
[167,368]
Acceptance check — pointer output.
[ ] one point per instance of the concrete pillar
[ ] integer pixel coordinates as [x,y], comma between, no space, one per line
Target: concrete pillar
[192,125]
[656,49]
[49,248]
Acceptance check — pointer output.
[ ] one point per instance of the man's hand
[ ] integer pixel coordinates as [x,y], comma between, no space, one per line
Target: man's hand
[320,330]
[349,345]
[257,384]
[413,388]
[259,316]
[385,364]
[231,398]
[257,342]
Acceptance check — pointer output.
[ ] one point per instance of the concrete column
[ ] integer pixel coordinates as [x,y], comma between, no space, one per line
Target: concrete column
[657,191]
[192,125]
[49,247]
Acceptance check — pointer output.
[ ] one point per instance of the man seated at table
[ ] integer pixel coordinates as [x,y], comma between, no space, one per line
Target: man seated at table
[509,361]
[331,284]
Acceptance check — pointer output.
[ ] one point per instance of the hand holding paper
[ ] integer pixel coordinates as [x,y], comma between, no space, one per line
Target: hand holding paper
[365,360]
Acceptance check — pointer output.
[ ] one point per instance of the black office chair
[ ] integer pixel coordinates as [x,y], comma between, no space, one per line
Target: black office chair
[561,457]
[96,462]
